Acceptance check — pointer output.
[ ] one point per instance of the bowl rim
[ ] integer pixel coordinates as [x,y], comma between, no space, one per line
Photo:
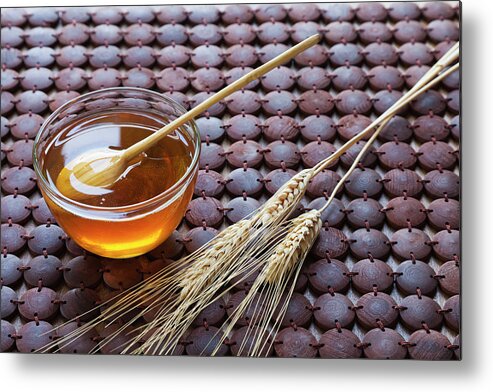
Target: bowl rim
[129,208]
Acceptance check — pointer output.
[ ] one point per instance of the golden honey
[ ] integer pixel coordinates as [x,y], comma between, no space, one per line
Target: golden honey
[139,211]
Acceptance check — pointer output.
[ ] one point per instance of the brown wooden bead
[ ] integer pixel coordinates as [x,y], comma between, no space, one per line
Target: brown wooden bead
[295,343]
[240,208]
[8,332]
[398,182]
[8,298]
[352,124]
[380,53]
[371,274]
[446,244]
[279,102]
[205,211]
[429,345]
[279,78]
[206,56]
[244,101]
[272,32]
[243,126]
[373,31]
[315,127]
[418,310]
[409,31]
[10,272]
[385,76]
[432,154]
[409,243]
[328,274]
[315,152]
[243,152]
[13,237]
[20,153]
[316,102]
[413,275]
[350,102]
[345,53]
[348,77]
[209,183]
[267,12]
[323,184]
[404,11]
[241,55]
[242,342]
[384,344]
[333,215]
[244,180]
[282,153]
[452,312]
[38,303]
[176,55]
[49,238]
[373,308]
[210,128]
[280,127]
[340,31]
[276,178]
[444,212]
[15,208]
[207,79]
[204,34]
[369,158]
[211,156]
[363,182]
[172,248]
[415,53]
[331,243]
[430,101]
[44,270]
[312,77]
[449,277]
[443,30]
[298,312]
[35,335]
[198,237]
[385,99]
[212,314]
[237,13]
[428,127]
[333,309]
[369,242]
[339,344]
[269,51]
[82,345]
[404,211]
[398,128]
[362,212]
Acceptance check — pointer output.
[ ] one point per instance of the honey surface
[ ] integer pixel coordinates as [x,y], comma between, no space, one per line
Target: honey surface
[162,166]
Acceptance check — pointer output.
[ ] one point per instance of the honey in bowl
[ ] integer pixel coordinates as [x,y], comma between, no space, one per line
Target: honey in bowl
[140,210]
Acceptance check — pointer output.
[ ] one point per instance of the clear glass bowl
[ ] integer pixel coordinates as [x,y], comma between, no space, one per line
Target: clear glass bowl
[126,231]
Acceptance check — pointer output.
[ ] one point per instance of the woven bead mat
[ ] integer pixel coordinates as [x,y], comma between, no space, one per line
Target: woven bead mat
[212,28]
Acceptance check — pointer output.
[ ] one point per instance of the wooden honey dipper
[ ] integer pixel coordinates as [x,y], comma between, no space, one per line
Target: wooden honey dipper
[102,168]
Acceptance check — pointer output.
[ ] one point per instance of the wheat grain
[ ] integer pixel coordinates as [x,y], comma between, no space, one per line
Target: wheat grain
[296,245]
